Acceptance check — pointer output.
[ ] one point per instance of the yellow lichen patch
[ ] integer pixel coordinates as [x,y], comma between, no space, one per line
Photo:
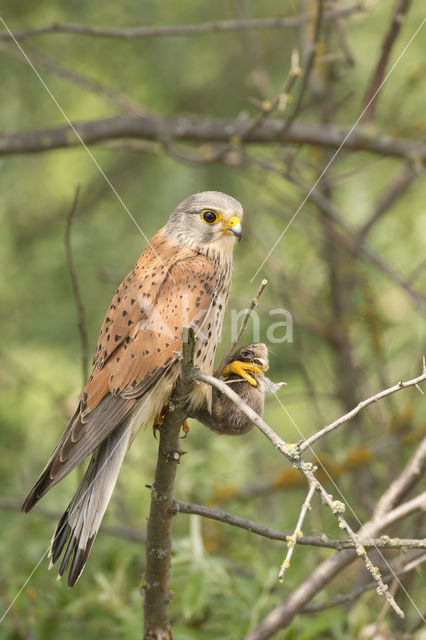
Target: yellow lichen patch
[357,458]
[289,478]
[221,494]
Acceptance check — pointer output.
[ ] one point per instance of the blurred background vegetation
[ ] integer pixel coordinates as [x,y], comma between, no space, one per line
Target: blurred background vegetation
[356,329]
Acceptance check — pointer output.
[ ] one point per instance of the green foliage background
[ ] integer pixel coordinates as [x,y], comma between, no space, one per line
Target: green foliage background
[223,579]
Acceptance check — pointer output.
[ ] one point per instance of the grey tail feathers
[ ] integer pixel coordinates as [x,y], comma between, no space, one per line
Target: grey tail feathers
[82,519]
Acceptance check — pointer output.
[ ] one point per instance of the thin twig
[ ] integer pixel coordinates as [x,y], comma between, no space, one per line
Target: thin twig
[179,30]
[402,511]
[342,34]
[372,94]
[338,508]
[279,102]
[249,127]
[392,193]
[297,534]
[248,312]
[16,623]
[253,51]
[312,541]
[85,353]
[404,484]
[350,233]
[117,98]
[309,63]
[364,403]
[132,534]
[356,593]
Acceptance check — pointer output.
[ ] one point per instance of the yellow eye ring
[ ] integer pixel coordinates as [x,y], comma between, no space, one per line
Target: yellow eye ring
[211,217]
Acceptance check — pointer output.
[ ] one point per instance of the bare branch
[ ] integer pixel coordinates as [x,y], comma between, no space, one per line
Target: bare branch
[273,534]
[338,508]
[412,473]
[297,534]
[356,593]
[258,73]
[178,507]
[348,239]
[392,193]
[159,529]
[194,128]
[117,98]
[281,616]
[364,403]
[344,42]
[253,304]
[415,504]
[180,30]
[280,101]
[309,64]
[84,338]
[293,454]
[372,93]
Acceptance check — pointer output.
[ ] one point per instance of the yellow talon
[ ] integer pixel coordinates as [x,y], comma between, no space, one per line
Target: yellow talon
[241,368]
[185,428]
[158,420]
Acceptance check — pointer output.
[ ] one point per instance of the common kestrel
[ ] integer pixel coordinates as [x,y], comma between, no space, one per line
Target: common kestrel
[182,279]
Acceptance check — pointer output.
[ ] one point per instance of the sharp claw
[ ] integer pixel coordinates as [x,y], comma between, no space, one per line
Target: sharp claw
[186,429]
[158,421]
[156,427]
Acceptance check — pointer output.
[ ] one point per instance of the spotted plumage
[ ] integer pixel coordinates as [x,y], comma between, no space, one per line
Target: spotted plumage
[181,279]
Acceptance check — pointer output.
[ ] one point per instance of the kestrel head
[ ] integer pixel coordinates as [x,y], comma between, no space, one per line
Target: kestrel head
[209,218]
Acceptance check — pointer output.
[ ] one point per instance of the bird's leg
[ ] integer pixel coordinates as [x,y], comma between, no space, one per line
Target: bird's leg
[185,428]
[241,369]
[158,420]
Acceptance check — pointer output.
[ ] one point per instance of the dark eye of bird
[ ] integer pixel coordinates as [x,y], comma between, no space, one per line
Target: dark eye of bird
[210,217]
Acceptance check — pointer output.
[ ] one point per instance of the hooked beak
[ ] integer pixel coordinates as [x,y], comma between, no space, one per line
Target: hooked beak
[233,226]
[263,363]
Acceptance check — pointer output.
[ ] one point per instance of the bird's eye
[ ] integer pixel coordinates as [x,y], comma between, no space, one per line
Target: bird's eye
[211,217]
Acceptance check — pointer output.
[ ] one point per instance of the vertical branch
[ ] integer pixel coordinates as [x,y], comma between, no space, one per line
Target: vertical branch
[159,529]
[397,188]
[309,64]
[371,94]
[76,289]
[259,75]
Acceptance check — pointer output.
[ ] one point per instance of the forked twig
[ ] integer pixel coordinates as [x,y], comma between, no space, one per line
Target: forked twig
[293,454]
[384,542]
[364,403]
[356,593]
